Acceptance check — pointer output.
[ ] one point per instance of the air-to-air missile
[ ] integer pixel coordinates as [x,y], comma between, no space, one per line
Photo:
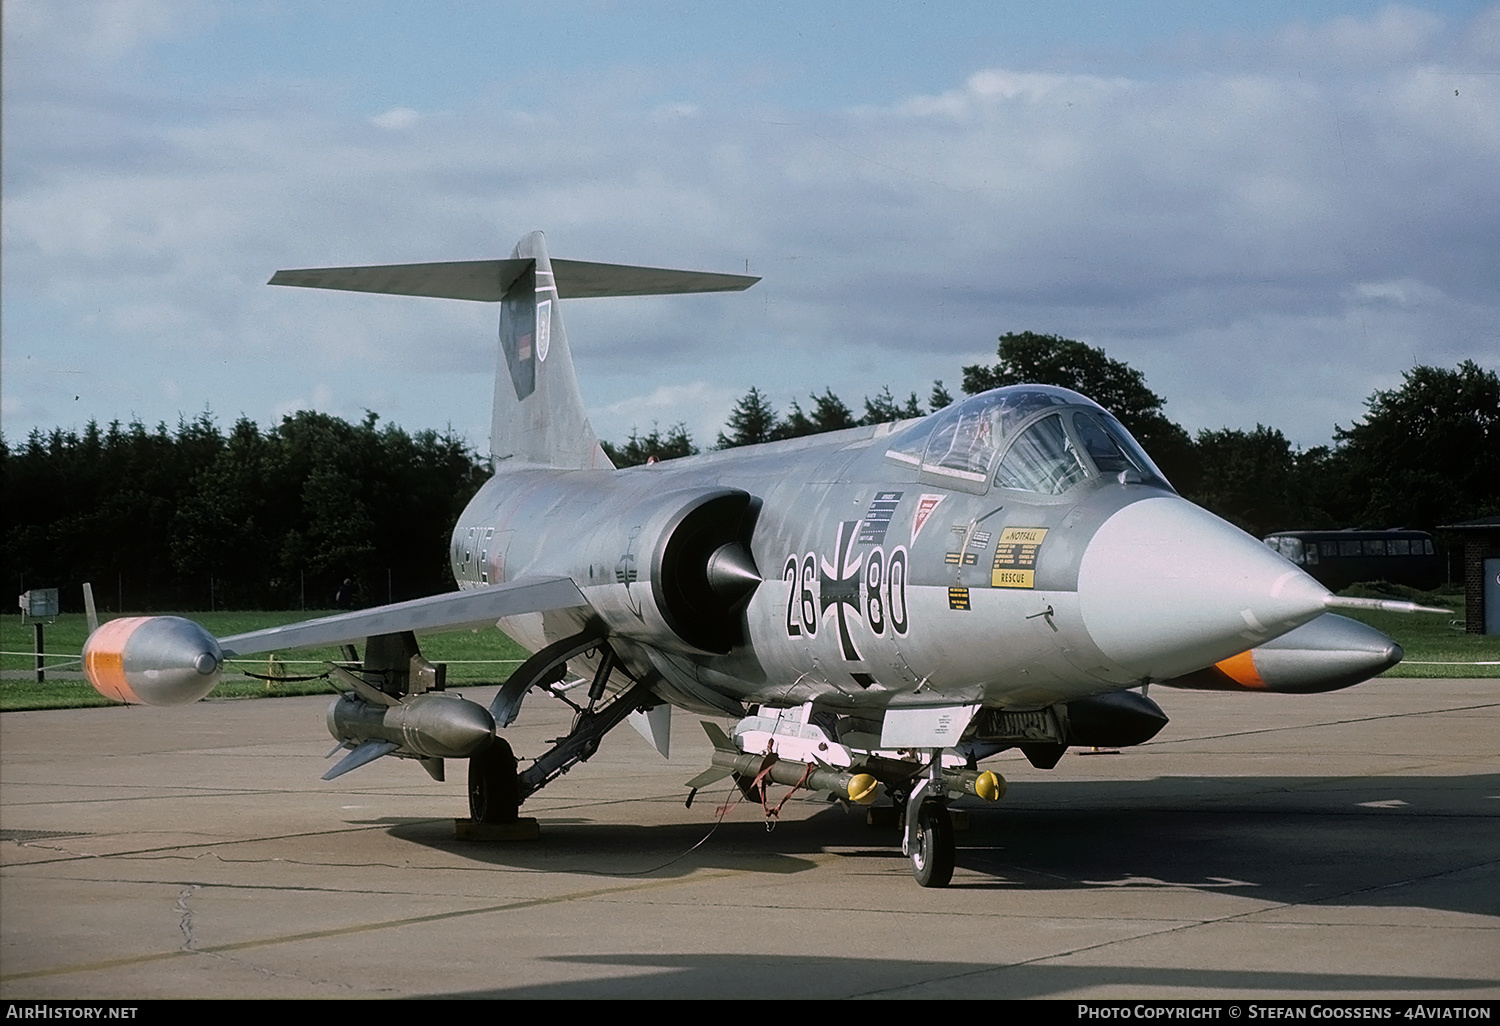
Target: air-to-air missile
[435,725]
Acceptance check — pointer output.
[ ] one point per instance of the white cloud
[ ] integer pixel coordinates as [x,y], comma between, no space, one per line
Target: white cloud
[1482,35]
[148,318]
[320,398]
[396,118]
[701,406]
[1215,228]
[677,110]
[1393,34]
[102,31]
[1405,292]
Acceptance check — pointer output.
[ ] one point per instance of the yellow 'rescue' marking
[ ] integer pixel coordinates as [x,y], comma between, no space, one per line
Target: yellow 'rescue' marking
[1015,557]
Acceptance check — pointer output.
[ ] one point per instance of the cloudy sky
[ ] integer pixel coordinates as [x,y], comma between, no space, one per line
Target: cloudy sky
[1271,209]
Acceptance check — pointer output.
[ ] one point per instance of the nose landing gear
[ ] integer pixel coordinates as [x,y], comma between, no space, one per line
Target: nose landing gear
[928,840]
[932,847]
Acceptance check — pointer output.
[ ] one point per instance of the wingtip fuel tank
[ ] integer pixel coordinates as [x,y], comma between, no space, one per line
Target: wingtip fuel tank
[1326,654]
[152,660]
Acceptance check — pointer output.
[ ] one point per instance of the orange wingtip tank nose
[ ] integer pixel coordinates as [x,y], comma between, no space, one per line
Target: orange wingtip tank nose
[1242,670]
[1237,673]
[152,660]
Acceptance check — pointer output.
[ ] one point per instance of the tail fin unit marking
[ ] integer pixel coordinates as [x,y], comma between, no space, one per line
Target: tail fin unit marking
[524,322]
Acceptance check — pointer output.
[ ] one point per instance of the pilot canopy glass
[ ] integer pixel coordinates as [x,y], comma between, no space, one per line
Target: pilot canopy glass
[1045,440]
[1043,459]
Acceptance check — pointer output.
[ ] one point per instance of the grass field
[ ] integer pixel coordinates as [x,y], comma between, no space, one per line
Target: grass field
[1434,648]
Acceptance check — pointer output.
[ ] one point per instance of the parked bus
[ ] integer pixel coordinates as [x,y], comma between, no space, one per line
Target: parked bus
[1341,558]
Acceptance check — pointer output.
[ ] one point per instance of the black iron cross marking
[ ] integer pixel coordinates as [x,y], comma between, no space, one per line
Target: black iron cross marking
[839,586]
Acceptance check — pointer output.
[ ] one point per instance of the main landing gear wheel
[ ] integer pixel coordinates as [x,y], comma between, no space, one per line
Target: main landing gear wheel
[494,796]
[932,855]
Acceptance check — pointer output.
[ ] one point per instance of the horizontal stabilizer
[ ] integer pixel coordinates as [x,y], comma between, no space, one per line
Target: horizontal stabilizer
[364,753]
[478,607]
[579,279]
[487,281]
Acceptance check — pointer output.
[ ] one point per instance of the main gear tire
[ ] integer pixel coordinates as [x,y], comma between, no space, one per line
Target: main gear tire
[494,792]
[932,855]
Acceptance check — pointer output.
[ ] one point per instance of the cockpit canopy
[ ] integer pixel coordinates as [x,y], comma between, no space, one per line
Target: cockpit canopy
[1031,438]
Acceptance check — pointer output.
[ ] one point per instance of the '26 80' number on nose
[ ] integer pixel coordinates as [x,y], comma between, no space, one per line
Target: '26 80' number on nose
[874,590]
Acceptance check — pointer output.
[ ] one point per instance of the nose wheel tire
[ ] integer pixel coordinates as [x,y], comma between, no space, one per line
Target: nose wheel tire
[494,796]
[932,855]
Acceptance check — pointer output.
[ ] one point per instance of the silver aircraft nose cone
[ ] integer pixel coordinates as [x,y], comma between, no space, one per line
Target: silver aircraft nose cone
[1165,587]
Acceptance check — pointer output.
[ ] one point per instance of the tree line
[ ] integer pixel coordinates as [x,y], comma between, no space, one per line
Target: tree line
[197,518]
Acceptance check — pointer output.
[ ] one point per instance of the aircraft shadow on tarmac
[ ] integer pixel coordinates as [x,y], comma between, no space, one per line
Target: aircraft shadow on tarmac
[1280,839]
[728,976]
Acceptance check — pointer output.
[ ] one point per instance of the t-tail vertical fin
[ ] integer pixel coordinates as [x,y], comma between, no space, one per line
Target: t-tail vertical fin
[538,417]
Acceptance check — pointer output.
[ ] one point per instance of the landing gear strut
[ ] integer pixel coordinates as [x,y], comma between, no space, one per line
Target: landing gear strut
[496,790]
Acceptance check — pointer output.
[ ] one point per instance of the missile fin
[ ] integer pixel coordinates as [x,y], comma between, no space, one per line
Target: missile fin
[88,607]
[721,741]
[708,776]
[363,753]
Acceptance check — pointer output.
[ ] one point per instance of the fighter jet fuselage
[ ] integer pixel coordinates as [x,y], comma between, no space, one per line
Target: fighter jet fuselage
[879,609]
[885,583]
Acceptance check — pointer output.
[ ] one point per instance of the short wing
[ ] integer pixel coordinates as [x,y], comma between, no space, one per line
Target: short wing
[479,607]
